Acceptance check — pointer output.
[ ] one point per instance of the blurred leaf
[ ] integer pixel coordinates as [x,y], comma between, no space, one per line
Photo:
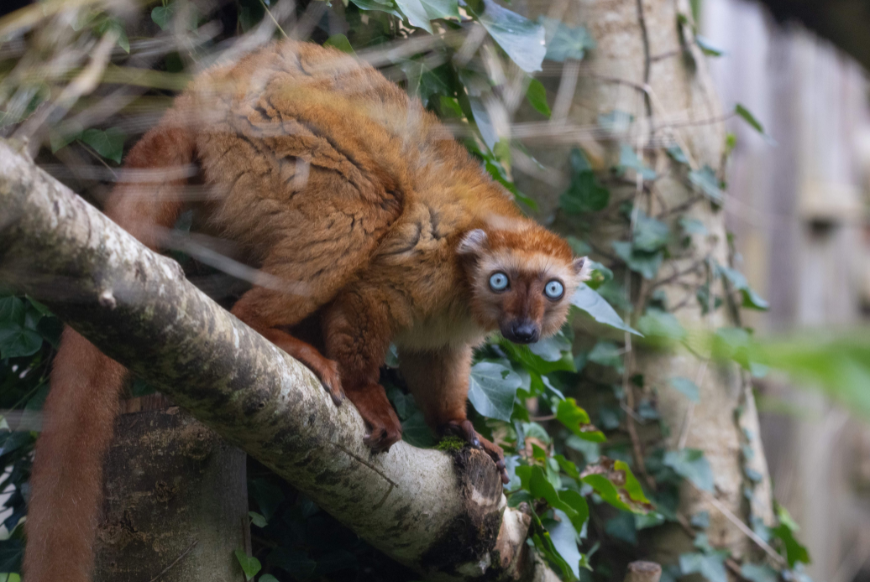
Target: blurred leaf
[257,519]
[108,143]
[708,48]
[577,421]
[693,465]
[386,6]
[759,573]
[751,299]
[492,390]
[622,527]
[747,116]
[537,96]
[162,15]
[584,194]
[340,42]
[710,566]
[441,8]
[686,387]
[692,226]
[250,565]
[521,39]
[645,263]
[705,180]
[608,354]
[565,42]
[656,323]
[591,302]
[649,234]
[628,160]
[676,152]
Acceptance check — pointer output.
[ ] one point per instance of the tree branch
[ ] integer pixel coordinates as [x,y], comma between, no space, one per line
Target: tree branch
[439,514]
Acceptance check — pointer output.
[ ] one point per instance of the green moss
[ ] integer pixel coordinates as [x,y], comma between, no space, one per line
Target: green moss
[450,443]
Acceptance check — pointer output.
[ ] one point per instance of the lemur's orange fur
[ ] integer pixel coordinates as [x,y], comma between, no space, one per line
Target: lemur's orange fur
[381,227]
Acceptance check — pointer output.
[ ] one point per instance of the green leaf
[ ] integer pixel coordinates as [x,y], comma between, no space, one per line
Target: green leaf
[116,26]
[588,300]
[441,8]
[608,354]
[614,482]
[267,495]
[628,160]
[686,387]
[749,118]
[622,527]
[108,143]
[162,15]
[645,263]
[577,421]
[676,152]
[632,485]
[707,47]
[656,323]
[537,96]
[521,39]
[564,538]
[584,194]
[706,181]
[565,42]
[416,13]
[693,226]
[573,504]
[12,310]
[650,234]
[759,573]
[710,566]
[250,565]
[257,519]
[340,42]
[693,465]
[387,7]
[492,390]
[751,299]
[19,341]
[416,432]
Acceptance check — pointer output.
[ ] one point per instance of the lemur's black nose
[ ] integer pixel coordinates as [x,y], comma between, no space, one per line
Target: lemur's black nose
[524,332]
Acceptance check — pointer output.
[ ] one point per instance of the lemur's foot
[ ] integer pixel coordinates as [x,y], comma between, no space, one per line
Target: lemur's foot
[465,430]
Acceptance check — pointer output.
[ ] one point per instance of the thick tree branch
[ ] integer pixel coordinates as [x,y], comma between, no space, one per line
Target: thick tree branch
[444,516]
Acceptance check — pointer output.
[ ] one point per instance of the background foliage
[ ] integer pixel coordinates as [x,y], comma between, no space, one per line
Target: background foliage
[559,407]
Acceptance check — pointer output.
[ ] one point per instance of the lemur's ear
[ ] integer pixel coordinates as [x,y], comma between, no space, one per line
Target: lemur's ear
[582,269]
[472,243]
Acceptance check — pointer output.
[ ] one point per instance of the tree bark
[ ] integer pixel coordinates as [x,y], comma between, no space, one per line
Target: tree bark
[645,64]
[176,502]
[441,514]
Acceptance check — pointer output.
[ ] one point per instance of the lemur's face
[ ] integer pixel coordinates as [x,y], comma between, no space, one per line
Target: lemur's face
[521,282]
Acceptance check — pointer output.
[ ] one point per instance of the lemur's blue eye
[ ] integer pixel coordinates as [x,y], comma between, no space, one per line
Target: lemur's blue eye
[554,289]
[498,281]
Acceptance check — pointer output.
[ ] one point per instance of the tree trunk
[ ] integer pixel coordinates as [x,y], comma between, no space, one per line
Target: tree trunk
[176,502]
[646,64]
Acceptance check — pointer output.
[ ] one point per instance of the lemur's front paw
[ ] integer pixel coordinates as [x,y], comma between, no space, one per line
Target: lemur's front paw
[384,428]
[465,430]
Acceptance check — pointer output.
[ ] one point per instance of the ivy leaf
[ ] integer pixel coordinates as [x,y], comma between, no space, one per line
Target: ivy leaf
[676,152]
[656,323]
[340,42]
[108,143]
[687,388]
[567,500]
[693,465]
[416,13]
[12,310]
[628,160]
[606,354]
[565,42]
[18,332]
[588,300]
[267,495]
[483,122]
[693,226]
[564,538]
[758,573]
[584,194]
[257,519]
[521,39]
[162,15]
[650,234]
[708,48]
[416,432]
[250,565]
[643,262]
[577,421]
[441,8]
[614,482]
[492,390]
[710,566]
[751,299]
[706,181]
[537,96]
[380,6]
